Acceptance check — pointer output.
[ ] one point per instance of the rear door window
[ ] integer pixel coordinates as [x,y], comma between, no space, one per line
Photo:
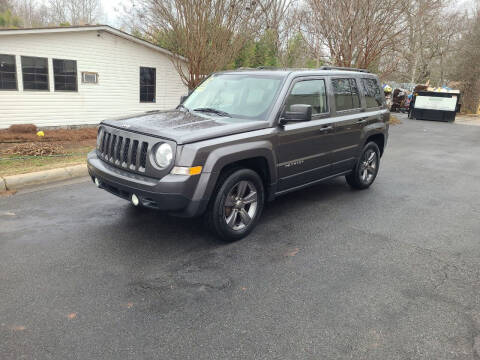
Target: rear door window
[346,94]
[373,95]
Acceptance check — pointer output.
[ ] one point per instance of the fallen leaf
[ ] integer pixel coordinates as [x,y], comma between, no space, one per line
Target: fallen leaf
[19,328]
[292,252]
[72,315]
[8,193]
[129,305]
[244,288]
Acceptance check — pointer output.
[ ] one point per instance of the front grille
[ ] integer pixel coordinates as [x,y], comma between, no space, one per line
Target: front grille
[120,149]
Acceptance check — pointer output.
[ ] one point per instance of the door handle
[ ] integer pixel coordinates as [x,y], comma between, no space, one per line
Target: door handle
[362,120]
[326,128]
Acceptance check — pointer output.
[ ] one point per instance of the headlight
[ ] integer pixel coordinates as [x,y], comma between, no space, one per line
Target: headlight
[164,155]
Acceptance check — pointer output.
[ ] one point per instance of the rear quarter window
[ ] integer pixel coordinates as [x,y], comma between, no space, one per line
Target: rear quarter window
[346,94]
[373,94]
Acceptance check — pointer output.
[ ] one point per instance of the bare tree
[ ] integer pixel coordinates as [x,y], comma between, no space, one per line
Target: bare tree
[32,13]
[445,36]
[5,5]
[276,14]
[207,33]
[355,32]
[422,17]
[466,68]
[75,12]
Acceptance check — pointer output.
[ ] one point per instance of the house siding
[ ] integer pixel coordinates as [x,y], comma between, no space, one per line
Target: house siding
[115,59]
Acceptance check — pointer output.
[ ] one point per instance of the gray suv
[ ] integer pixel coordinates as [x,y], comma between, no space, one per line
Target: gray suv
[242,138]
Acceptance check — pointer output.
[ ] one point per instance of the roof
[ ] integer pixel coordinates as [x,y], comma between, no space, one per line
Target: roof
[67,29]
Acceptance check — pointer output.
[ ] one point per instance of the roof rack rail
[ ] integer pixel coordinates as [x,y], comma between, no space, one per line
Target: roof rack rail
[343,68]
[267,67]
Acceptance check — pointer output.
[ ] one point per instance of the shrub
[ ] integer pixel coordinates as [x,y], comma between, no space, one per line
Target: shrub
[23,128]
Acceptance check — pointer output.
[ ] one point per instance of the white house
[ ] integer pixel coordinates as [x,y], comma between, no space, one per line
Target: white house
[82,75]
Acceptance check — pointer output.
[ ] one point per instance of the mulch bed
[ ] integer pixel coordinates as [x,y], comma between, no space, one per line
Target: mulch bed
[35,149]
[22,140]
[64,135]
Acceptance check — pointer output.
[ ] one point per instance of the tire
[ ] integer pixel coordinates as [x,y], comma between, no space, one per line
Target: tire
[365,171]
[236,205]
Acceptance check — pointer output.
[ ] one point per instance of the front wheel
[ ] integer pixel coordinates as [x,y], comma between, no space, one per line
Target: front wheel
[366,169]
[237,205]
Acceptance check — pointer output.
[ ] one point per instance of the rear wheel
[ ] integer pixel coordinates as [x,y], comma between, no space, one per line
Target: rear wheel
[237,204]
[366,169]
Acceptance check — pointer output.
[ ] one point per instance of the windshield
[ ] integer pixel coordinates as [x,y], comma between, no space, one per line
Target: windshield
[235,95]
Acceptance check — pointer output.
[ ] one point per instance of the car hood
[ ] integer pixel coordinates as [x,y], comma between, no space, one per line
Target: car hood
[185,127]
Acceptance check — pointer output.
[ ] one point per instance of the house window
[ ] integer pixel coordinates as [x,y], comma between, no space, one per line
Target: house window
[147,84]
[8,72]
[373,95]
[346,94]
[35,73]
[65,75]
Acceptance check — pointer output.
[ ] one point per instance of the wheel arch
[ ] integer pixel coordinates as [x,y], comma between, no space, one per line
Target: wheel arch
[258,156]
[376,132]
[378,139]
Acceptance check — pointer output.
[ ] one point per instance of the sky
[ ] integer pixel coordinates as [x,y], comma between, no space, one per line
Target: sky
[112,10]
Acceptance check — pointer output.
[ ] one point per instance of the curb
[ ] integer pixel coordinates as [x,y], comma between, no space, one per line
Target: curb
[16,182]
[3,186]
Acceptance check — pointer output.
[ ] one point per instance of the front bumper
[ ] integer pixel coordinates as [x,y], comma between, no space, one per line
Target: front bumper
[172,193]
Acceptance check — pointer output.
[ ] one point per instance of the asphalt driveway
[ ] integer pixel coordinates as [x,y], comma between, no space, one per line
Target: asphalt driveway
[330,273]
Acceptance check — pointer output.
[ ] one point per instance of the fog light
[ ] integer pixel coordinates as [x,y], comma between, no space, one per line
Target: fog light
[135,200]
[97,182]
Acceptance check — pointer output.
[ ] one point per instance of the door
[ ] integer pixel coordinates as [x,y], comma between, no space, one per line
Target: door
[303,149]
[348,124]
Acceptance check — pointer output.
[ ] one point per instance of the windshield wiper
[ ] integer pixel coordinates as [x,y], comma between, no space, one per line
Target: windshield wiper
[181,106]
[212,110]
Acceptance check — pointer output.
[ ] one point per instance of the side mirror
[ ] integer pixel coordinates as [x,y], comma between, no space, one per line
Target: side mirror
[297,113]
[183,98]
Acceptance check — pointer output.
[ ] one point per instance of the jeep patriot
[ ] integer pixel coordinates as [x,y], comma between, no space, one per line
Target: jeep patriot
[242,138]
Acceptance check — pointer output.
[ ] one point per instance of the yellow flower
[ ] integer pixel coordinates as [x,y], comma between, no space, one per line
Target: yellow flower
[40,133]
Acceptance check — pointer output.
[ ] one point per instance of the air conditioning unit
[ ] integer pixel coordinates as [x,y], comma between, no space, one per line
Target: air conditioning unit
[89,77]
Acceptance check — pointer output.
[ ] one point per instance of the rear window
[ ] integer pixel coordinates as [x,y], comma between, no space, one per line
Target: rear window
[346,94]
[373,95]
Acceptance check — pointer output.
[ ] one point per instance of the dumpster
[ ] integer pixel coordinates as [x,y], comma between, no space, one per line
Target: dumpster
[435,105]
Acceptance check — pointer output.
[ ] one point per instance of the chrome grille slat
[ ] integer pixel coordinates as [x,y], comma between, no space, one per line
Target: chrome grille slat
[137,160]
[102,144]
[107,146]
[133,159]
[111,152]
[126,150]
[129,158]
[143,155]
[118,150]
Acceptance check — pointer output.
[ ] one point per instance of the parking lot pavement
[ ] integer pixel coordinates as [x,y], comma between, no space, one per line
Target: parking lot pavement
[468,119]
[330,273]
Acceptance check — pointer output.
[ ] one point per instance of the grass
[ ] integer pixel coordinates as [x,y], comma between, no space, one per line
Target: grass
[14,164]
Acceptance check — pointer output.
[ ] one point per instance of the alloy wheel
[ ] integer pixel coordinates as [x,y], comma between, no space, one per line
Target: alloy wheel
[368,166]
[241,205]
